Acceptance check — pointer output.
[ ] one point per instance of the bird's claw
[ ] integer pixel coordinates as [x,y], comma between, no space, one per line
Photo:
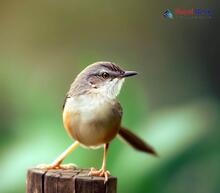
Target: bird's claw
[47,166]
[57,166]
[101,173]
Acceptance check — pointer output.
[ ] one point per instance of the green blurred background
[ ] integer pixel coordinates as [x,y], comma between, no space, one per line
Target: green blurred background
[173,103]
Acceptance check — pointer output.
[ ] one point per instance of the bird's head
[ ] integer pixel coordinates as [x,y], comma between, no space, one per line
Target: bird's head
[104,78]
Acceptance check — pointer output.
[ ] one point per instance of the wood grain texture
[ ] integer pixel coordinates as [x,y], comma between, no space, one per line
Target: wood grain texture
[67,181]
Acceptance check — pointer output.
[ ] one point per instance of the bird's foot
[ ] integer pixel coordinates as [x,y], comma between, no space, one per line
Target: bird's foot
[57,166]
[102,173]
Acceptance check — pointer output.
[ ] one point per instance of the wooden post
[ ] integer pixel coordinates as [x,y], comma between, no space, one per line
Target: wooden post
[67,181]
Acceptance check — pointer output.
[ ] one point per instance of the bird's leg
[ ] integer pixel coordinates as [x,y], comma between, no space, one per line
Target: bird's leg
[102,172]
[57,162]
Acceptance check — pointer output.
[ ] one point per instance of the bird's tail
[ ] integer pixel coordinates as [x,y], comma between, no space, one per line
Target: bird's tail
[136,142]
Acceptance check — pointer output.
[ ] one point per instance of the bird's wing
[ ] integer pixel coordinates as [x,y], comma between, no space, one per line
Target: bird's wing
[64,103]
[135,141]
[117,108]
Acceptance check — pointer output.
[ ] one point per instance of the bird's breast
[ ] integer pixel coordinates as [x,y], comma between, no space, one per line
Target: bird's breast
[90,120]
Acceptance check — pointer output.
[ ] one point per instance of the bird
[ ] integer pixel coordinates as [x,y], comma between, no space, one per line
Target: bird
[92,114]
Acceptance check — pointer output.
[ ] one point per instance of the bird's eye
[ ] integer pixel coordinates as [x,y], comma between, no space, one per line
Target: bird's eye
[105,75]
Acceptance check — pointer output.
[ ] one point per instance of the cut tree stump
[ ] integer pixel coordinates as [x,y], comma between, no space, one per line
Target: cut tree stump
[67,181]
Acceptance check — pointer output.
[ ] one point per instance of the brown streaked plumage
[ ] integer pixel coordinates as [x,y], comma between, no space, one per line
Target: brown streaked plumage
[92,115]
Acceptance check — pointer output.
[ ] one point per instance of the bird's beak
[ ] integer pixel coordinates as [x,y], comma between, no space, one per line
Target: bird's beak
[129,73]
